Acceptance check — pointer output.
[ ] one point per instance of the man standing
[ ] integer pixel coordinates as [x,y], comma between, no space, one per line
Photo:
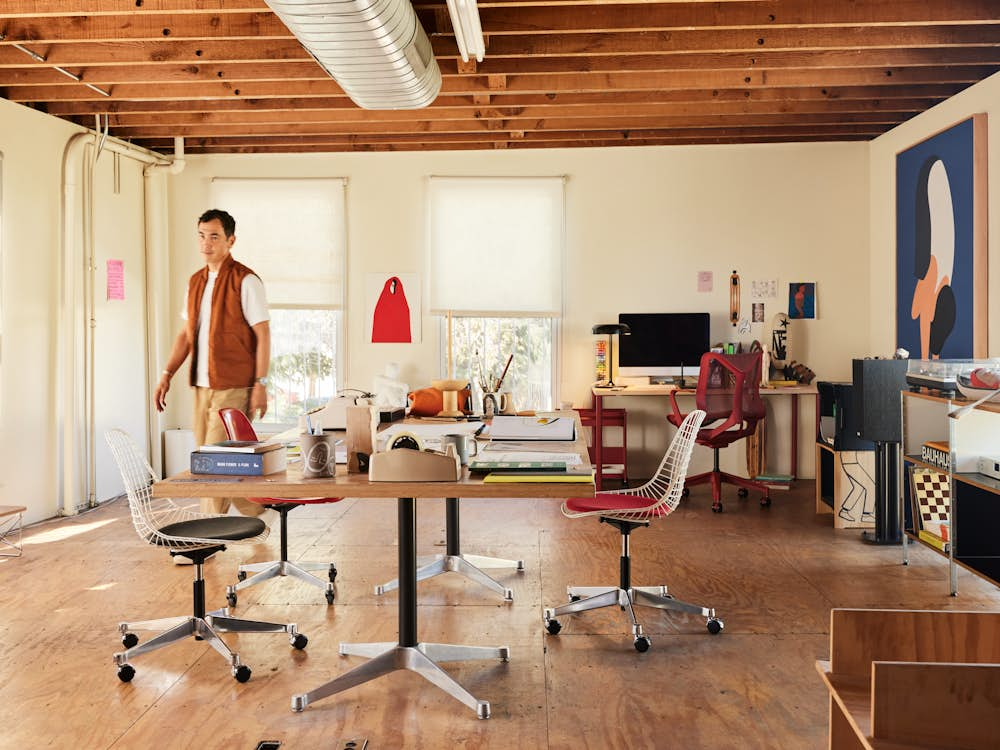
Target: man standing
[228,336]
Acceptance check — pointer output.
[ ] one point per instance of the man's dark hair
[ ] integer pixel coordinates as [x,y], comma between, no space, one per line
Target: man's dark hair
[228,222]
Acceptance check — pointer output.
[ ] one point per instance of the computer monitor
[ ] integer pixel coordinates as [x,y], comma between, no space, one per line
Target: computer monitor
[663,344]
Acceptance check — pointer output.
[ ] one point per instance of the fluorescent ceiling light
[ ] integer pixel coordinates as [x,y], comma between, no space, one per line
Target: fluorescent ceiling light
[375,49]
[468,30]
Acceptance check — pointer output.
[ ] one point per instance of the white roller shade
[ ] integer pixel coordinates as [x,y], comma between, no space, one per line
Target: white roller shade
[496,245]
[292,233]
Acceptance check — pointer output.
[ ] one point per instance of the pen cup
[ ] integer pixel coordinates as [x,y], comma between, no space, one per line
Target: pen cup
[461,445]
[318,455]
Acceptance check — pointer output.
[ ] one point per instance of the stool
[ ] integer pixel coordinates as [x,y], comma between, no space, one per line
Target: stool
[11,523]
[614,457]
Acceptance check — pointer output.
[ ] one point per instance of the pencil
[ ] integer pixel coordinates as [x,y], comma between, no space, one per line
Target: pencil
[503,374]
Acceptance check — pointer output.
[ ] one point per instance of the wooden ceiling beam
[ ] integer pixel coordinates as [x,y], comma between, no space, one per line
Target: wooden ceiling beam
[747,109]
[522,84]
[547,123]
[498,21]
[41,8]
[194,144]
[788,95]
[142,27]
[309,70]
[203,51]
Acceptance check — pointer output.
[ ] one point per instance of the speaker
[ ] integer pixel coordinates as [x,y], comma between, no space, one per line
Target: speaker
[839,417]
[877,384]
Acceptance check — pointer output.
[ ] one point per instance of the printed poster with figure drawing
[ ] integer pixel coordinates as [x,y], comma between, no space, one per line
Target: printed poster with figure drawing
[392,308]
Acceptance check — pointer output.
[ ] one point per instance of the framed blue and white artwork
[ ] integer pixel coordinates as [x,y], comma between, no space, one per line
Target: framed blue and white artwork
[941,249]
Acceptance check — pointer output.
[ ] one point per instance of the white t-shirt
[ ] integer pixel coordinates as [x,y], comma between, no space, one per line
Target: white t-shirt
[254,303]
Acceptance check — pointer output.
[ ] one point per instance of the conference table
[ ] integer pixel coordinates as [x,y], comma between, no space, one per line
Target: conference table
[664,390]
[408,652]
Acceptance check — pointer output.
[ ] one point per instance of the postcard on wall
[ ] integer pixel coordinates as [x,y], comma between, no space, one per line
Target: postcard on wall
[704,281]
[764,289]
[758,312]
[116,279]
[392,308]
[802,300]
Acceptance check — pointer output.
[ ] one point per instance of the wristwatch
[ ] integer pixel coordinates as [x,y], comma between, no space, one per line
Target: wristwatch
[261,381]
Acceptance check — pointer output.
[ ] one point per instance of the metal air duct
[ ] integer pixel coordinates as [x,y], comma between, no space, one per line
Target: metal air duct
[375,49]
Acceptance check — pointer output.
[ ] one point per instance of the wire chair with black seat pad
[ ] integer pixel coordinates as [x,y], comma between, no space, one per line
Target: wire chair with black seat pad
[163,523]
[238,427]
[627,510]
[729,394]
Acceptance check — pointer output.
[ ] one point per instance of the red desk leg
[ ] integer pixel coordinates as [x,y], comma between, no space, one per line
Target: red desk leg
[598,440]
[795,436]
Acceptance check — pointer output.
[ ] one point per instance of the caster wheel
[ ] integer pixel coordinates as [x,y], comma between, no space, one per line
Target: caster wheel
[299,641]
[333,573]
[642,644]
[553,627]
[129,640]
[241,576]
[329,597]
[717,508]
[685,492]
[126,672]
[242,673]
[574,598]
[231,598]
[715,626]
[742,492]
[765,502]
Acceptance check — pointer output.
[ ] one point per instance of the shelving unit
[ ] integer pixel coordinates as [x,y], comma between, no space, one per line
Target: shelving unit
[975,498]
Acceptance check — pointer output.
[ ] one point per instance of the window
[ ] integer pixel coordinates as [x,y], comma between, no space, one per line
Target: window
[496,248]
[292,233]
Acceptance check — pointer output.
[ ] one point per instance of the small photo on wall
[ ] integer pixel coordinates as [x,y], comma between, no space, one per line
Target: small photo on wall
[758,312]
[392,308]
[802,300]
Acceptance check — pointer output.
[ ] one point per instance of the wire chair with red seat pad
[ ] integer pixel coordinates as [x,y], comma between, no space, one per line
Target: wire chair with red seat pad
[238,427]
[627,510]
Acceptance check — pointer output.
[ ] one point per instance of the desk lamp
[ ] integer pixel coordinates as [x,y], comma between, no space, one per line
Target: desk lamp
[611,329]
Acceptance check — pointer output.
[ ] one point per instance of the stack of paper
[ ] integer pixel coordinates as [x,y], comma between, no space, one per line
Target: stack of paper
[533,428]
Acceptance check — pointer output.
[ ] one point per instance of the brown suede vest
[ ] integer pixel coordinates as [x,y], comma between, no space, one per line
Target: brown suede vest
[232,347]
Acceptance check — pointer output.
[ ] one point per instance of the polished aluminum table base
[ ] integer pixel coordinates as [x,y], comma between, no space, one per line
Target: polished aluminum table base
[265,571]
[422,659]
[455,562]
[466,565]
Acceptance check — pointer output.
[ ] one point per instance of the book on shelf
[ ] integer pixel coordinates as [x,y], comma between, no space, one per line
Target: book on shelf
[936,453]
[479,466]
[238,464]
[241,446]
[933,540]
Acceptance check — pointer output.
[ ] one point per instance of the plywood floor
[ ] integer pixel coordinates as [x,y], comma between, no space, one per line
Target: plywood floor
[772,575]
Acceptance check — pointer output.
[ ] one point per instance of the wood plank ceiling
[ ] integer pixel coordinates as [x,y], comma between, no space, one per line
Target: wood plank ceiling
[229,77]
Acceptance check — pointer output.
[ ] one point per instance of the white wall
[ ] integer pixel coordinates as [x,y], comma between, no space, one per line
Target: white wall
[31,470]
[983,97]
[640,223]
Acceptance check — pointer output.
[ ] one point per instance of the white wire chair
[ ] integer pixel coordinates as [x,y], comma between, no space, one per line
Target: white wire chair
[163,523]
[627,510]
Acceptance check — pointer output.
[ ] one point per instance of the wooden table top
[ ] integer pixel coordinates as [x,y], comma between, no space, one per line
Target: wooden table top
[290,484]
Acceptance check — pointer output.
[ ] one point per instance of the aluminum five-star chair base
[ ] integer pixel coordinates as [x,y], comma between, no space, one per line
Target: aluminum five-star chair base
[201,625]
[626,596]
[390,657]
[454,561]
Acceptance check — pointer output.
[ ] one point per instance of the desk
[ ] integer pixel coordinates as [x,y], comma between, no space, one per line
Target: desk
[408,652]
[665,390]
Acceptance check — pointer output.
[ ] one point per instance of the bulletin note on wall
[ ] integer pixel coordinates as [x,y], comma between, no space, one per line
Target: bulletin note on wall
[704,281]
[116,279]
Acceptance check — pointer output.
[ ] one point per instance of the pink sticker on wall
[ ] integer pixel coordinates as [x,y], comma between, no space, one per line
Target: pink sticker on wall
[116,279]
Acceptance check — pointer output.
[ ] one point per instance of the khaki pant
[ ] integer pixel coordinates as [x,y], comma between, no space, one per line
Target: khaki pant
[208,428]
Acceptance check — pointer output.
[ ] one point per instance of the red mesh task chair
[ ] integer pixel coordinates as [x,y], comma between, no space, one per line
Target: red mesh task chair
[627,510]
[729,394]
[238,427]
